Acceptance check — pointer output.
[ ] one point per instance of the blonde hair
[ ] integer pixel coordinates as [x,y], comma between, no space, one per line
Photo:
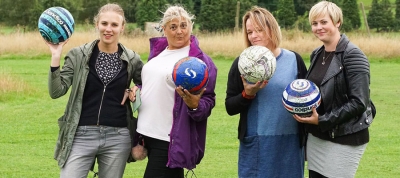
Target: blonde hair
[110,7]
[264,19]
[325,7]
[177,12]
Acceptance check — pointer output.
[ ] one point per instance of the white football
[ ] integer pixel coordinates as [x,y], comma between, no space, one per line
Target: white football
[300,96]
[257,63]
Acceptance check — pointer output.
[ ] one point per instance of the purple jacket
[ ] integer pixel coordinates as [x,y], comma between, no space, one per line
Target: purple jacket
[188,133]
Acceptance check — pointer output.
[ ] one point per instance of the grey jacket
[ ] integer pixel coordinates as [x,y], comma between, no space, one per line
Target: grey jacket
[74,73]
[345,90]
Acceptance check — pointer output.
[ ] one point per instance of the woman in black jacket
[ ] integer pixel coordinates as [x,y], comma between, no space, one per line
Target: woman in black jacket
[271,141]
[339,126]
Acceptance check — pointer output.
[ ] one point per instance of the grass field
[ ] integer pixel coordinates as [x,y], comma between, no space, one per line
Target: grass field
[28,129]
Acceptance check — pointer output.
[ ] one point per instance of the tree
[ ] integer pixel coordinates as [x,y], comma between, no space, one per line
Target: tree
[270,5]
[187,4]
[303,6]
[351,15]
[18,13]
[374,15]
[210,17]
[286,14]
[220,16]
[149,11]
[388,21]
[303,23]
[129,7]
[397,16]
[244,7]
[73,6]
[380,16]
[89,9]
[196,7]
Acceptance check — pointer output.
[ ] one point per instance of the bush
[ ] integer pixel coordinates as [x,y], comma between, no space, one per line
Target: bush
[303,24]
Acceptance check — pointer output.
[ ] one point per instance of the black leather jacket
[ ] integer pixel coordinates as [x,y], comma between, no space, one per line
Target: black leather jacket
[345,90]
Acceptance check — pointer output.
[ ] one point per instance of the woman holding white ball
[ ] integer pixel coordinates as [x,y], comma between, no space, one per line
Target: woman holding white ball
[271,141]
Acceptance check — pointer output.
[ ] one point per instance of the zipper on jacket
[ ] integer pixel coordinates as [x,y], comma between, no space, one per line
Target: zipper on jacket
[101,104]
[104,89]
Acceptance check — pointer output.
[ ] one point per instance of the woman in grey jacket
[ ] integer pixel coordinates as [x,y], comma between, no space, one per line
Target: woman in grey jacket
[339,126]
[96,120]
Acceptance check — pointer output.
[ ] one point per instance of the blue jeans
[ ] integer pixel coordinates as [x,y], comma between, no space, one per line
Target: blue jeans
[110,145]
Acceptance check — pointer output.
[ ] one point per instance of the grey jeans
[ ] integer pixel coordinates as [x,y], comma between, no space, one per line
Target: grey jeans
[110,145]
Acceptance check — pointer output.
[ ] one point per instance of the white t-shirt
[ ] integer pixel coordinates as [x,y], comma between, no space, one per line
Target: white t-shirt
[157,94]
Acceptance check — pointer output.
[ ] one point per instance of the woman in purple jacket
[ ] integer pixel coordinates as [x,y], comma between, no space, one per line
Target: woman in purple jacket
[172,121]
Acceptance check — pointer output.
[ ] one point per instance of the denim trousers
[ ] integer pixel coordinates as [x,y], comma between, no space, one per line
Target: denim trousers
[111,147]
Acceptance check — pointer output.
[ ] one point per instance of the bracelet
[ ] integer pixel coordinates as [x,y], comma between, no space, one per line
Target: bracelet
[247,96]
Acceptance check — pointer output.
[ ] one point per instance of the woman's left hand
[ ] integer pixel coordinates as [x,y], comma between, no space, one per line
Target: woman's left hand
[129,93]
[313,119]
[191,100]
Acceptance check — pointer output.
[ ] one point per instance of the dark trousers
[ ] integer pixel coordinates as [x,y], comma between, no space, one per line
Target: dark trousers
[157,155]
[313,174]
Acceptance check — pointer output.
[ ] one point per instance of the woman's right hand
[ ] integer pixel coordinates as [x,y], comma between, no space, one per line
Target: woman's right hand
[313,119]
[252,89]
[56,50]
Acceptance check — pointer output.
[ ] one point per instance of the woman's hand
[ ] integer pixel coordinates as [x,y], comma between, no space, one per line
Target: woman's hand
[191,100]
[56,50]
[252,89]
[313,119]
[131,93]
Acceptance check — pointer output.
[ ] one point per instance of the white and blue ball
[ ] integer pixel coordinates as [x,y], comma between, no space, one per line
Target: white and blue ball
[191,73]
[300,96]
[56,24]
[257,63]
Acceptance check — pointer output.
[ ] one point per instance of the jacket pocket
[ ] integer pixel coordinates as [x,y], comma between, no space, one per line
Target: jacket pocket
[61,138]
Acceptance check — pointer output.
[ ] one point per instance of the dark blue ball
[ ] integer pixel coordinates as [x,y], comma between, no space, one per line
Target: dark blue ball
[56,24]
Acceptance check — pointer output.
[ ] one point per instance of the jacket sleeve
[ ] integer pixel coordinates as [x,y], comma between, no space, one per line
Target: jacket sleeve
[61,80]
[137,71]
[301,67]
[207,100]
[357,74]
[234,102]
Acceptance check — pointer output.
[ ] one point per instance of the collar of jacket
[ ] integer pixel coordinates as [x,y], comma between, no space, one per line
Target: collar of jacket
[340,48]
[87,50]
[158,44]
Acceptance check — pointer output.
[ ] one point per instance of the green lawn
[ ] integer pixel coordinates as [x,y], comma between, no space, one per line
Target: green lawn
[28,129]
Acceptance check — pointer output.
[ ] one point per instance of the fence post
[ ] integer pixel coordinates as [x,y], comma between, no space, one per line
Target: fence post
[365,18]
[237,16]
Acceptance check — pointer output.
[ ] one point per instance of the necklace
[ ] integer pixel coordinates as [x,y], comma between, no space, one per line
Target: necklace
[324,58]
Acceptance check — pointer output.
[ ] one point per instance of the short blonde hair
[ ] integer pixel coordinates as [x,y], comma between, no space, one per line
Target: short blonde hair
[177,12]
[326,7]
[110,7]
[265,20]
